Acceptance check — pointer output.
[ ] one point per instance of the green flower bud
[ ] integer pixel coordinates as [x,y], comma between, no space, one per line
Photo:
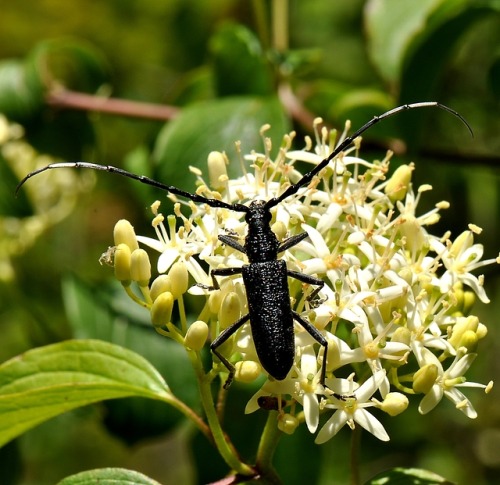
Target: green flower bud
[398,184]
[122,259]
[279,229]
[124,233]
[247,371]
[425,378]
[333,360]
[482,331]
[413,232]
[217,172]
[469,300]
[462,326]
[140,267]
[230,310]
[160,284]
[196,335]
[288,423]
[461,243]
[469,340]
[161,311]
[401,335]
[394,403]
[179,279]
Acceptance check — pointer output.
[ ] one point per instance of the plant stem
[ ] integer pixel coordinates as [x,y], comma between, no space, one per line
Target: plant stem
[267,446]
[63,98]
[354,462]
[220,439]
[280,24]
[261,22]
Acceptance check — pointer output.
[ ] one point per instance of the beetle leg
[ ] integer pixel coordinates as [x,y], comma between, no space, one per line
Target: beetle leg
[223,337]
[232,242]
[291,241]
[219,272]
[316,335]
[311,280]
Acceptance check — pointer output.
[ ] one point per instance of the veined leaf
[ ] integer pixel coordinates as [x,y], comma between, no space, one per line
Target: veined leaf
[108,476]
[408,476]
[51,380]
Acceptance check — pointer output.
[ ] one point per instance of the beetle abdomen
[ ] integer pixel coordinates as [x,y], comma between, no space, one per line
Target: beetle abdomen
[270,315]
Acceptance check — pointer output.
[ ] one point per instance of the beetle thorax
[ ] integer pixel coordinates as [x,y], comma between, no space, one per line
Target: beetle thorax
[261,244]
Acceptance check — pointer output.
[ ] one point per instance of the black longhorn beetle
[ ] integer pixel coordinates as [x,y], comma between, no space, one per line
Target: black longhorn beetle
[265,276]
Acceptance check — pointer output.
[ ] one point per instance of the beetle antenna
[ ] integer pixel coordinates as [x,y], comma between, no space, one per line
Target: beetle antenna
[306,179]
[219,204]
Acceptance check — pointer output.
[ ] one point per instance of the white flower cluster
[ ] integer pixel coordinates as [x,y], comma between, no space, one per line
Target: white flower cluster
[395,307]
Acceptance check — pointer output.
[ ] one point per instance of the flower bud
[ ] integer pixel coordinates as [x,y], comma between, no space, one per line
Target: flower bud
[279,229]
[122,263]
[425,378]
[394,403]
[413,232]
[179,279]
[161,310]
[196,335]
[288,423]
[401,335]
[124,233]
[215,301]
[160,284]
[469,300]
[217,172]
[140,267]
[460,328]
[469,340]
[247,371]
[398,184]
[482,331]
[230,310]
[333,360]
[461,243]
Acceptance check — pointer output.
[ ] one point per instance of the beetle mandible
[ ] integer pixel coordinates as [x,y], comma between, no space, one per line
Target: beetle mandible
[265,276]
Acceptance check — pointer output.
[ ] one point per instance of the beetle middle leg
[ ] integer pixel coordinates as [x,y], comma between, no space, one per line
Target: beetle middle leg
[223,337]
[310,280]
[229,331]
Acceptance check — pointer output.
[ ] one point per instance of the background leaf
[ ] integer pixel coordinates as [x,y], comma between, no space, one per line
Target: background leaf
[50,380]
[216,125]
[408,476]
[240,68]
[109,476]
[108,314]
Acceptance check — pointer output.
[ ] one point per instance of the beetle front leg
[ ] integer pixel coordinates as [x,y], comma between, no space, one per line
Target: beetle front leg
[223,337]
[219,272]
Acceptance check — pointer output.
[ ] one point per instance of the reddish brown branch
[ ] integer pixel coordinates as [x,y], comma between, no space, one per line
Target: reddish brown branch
[62,98]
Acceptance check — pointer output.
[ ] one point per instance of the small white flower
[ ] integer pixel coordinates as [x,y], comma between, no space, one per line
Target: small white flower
[354,410]
[448,381]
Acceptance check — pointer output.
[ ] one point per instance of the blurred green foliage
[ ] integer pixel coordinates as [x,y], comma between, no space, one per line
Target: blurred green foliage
[229,71]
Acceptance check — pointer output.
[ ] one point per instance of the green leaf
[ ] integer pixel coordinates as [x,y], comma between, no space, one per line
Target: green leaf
[423,71]
[240,66]
[107,313]
[51,380]
[20,98]
[216,125]
[408,476]
[392,25]
[75,64]
[109,476]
